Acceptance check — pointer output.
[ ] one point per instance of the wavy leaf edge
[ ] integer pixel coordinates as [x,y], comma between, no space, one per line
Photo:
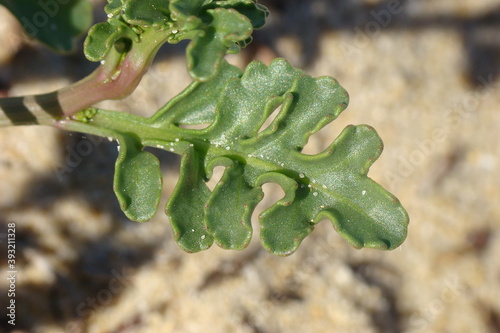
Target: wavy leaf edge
[330,185]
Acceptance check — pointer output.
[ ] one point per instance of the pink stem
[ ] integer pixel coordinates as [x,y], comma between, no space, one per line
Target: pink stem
[116,78]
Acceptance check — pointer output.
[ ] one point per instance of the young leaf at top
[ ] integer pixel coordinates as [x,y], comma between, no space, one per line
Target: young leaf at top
[55,23]
[227,28]
[113,8]
[255,12]
[146,13]
[103,36]
[215,28]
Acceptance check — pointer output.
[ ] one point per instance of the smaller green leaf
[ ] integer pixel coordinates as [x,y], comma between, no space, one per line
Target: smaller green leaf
[205,53]
[137,181]
[146,13]
[55,23]
[185,209]
[113,8]
[215,28]
[103,36]
[257,13]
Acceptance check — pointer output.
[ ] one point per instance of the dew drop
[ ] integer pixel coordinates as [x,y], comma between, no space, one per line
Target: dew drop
[315,194]
[301,175]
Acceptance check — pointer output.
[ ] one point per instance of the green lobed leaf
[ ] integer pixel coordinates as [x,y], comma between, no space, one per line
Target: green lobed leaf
[138,180]
[332,184]
[54,23]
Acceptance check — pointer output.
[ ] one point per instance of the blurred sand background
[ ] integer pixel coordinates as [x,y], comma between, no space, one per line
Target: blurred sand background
[424,73]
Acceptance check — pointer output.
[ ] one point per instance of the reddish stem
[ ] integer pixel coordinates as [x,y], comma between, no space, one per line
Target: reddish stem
[116,78]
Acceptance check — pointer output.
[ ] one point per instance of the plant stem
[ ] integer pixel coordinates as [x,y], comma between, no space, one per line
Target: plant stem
[116,78]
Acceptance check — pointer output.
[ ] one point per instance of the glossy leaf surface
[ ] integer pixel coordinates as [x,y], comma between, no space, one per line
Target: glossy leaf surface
[331,185]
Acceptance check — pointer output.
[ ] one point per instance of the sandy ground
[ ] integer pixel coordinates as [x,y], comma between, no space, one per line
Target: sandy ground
[423,73]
